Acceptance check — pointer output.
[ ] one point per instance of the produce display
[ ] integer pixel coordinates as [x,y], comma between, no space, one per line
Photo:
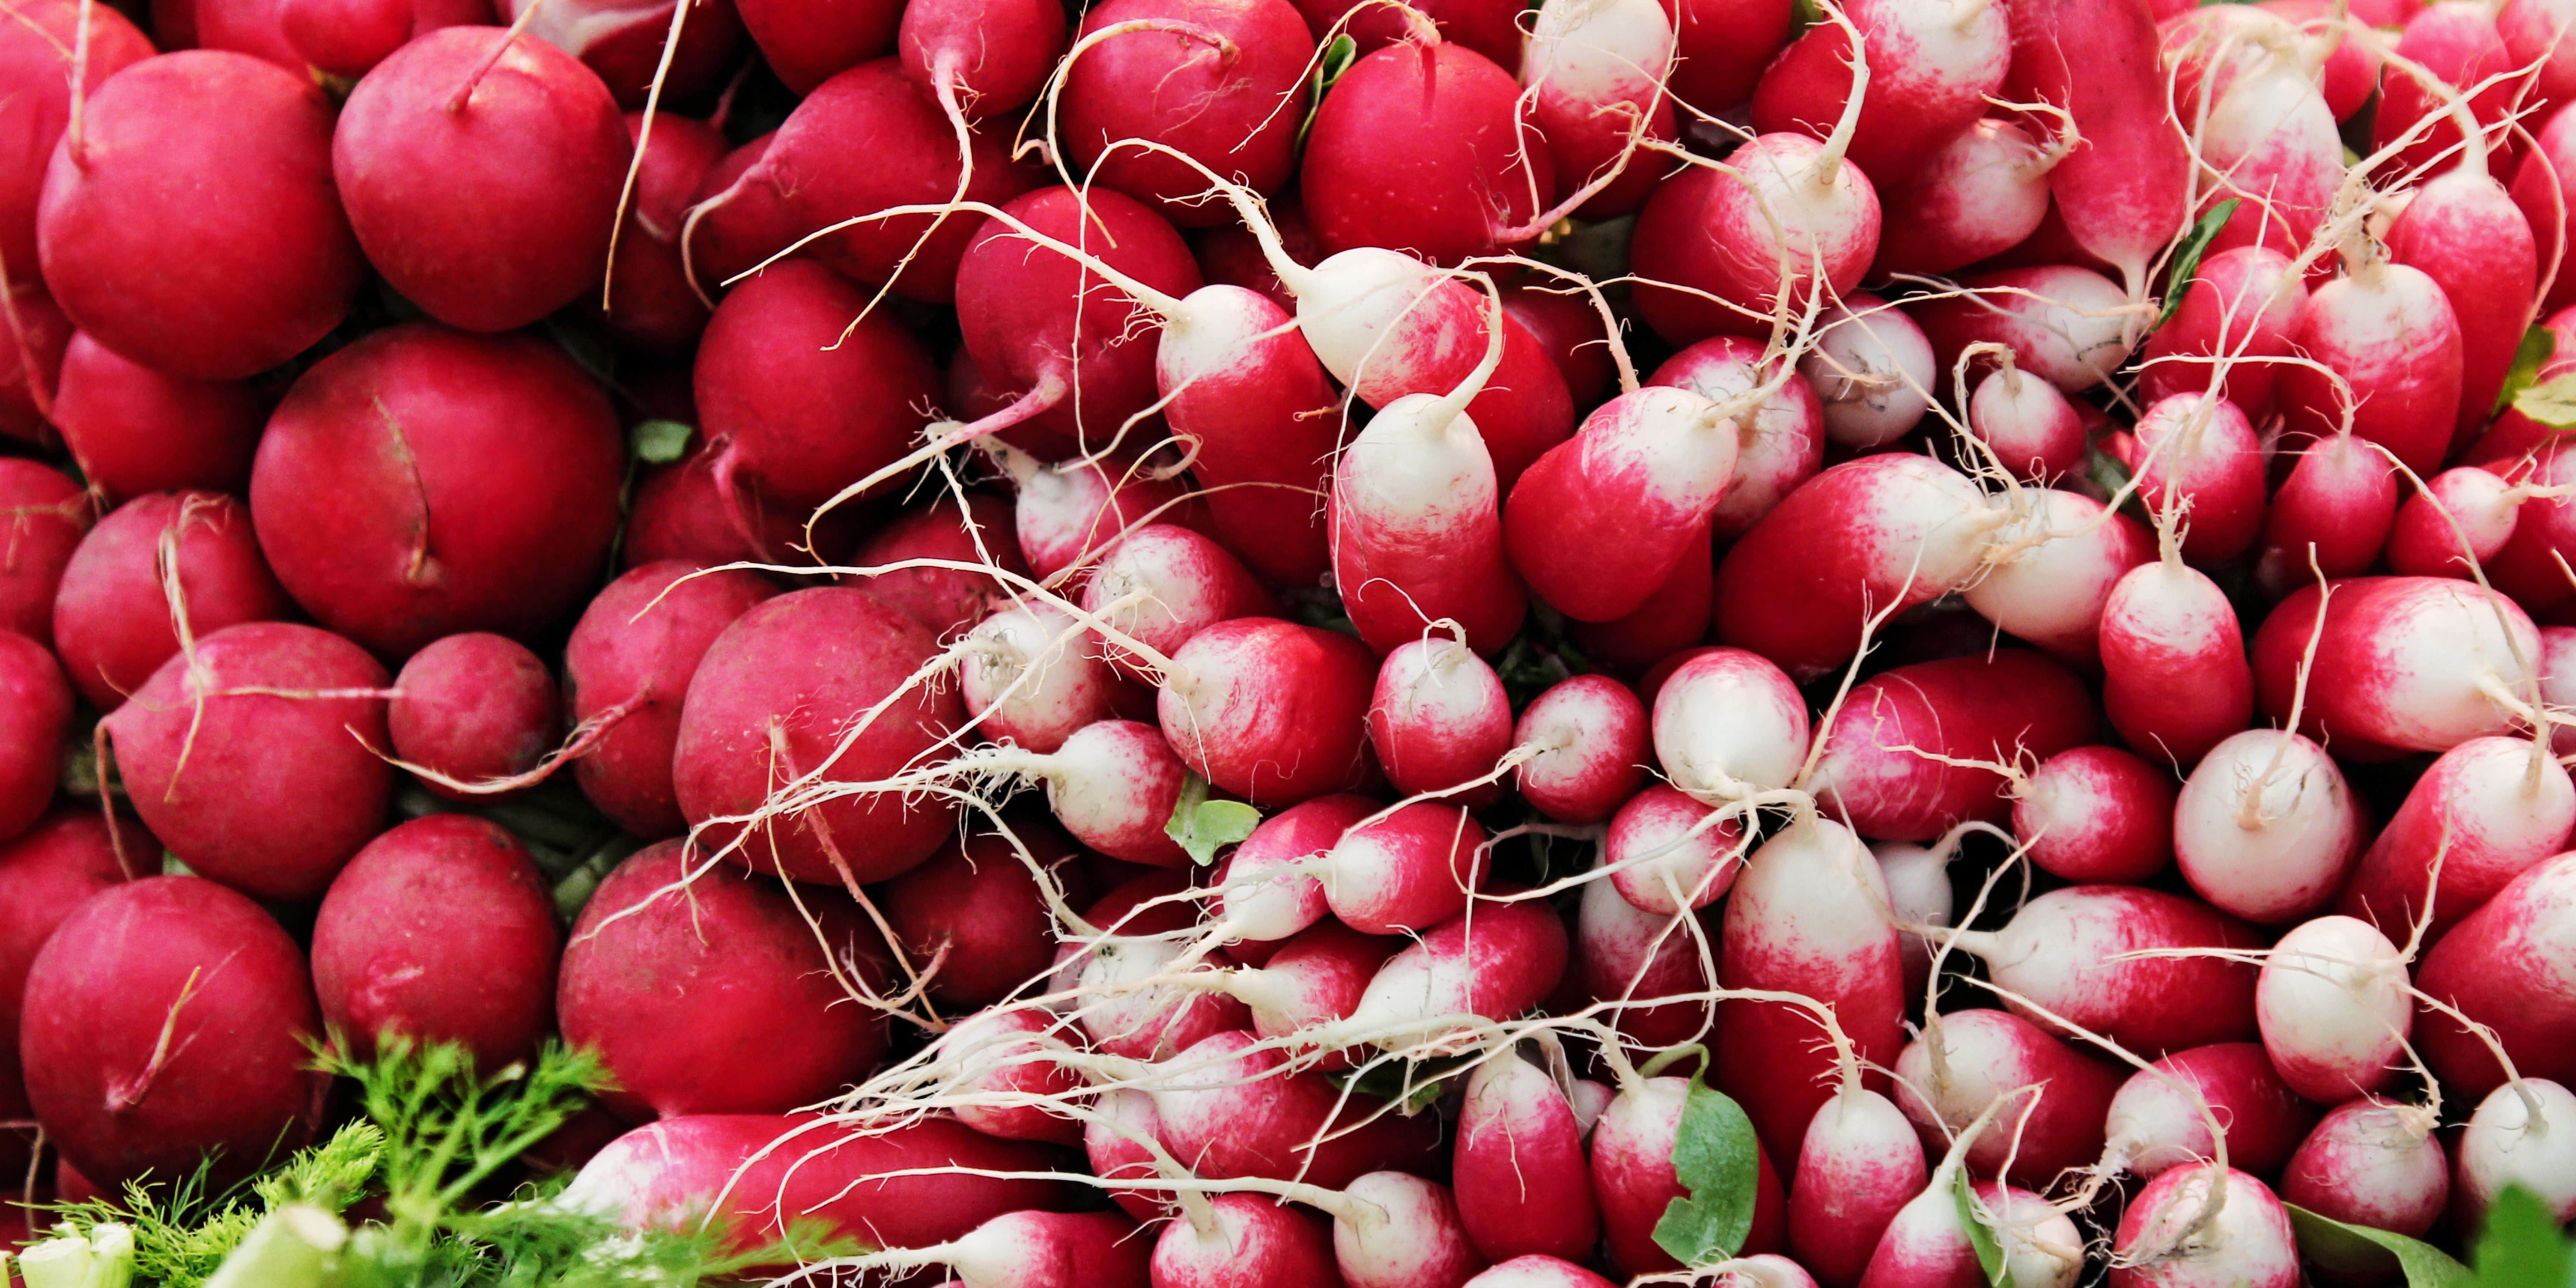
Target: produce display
[1284,643]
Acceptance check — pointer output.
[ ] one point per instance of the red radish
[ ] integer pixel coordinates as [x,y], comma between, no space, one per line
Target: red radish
[679,511]
[472,709]
[1808,915]
[1214,81]
[2051,571]
[1933,67]
[977,909]
[806,46]
[1030,677]
[49,871]
[1113,784]
[389,490]
[2195,456]
[799,394]
[1009,1061]
[1316,977]
[2509,1142]
[2491,808]
[2558,679]
[1486,26]
[904,1186]
[2461,45]
[347,37]
[2156,1121]
[2463,230]
[1872,367]
[1586,739]
[2541,188]
[626,670]
[239,756]
[1162,583]
[2175,679]
[2334,1008]
[1905,530]
[1859,1166]
[2527,567]
[1779,446]
[2067,325]
[2122,191]
[1024,1250]
[1231,254]
[1145,1014]
[1927,1242]
[734,223]
[2533,32]
[435,155]
[1234,1109]
[2373,1164]
[2096,814]
[2406,663]
[441,930]
[1069,514]
[623,40]
[1729,725]
[241,26]
[977,530]
[2065,953]
[1596,75]
[2506,966]
[1674,618]
[2351,71]
[2245,303]
[1722,48]
[261,264]
[1391,1230]
[134,430]
[2261,129]
[2266,828]
[1665,855]
[1243,1240]
[1405,872]
[1710,247]
[674,961]
[38,51]
[33,337]
[981,58]
[1268,893]
[1920,897]
[2387,330]
[152,563]
[817,689]
[1905,758]
[1444,115]
[47,515]
[1251,400]
[1492,962]
[35,718]
[1600,522]
[1634,1178]
[2027,424]
[1650,969]
[1439,720]
[651,304]
[1976,196]
[2332,515]
[1523,1185]
[2175,1234]
[2459,520]
[167,1020]
[1271,711]
[2051,1095]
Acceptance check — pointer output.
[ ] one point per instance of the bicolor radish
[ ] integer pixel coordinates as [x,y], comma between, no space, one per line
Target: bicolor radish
[2385,332]
[1917,749]
[2332,515]
[2096,814]
[2400,663]
[1920,898]
[2123,194]
[2489,808]
[1586,740]
[1932,67]
[1978,195]
[1211,81]
[1872,370]
[2246,303]
[1858,1166]
[2335,1008]
[1780,444]
[2518,1136]
[2370,1163]
[2195,454]
[2050,571]
[1440,721]
[1404,870]
[2067,957]
[1160,584]
[1028,676]
[2175,679]
[2069,326]
[2266,828]
[1518,1171]
[2160,1119]
[1492,962]
[1268,891]
[1597,78]
[2176,1234]
[2027,424]
[1927,1243]
[2458,521]
[2049,1096]
[1668,853]
[1634,1180]
[2506,966]
[1728,725]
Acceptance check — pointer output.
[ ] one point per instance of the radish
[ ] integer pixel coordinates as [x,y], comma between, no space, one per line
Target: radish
[1252,403]
[1271,711]
[1601,521]
[240,757]
[2459,520]
[1491,962]
[2389,333]
[1217,81]
[2461,46]
[32,344]
[1113,784]
[444,137]
[734,224]
[1665,855]
[1440,721]
[1808,915]
[1447,117]
[1927,1242]
[2510,1141]
[2533,32]
[2051,571]
[1729,725]
[678,511]
[1243,1241]
[801,392]
[623,41]
[1650,970]
[2374,1164]
[1522,1183]
[1723,47]
[1162,583]
[472,712]
[1023,1250]
[806,46]
[1674,618]
[2175,679]
[1028,677]
[2557,679]
[34,722]
[1904,529]
[979,911]
[2176,1234]
[47,515]
[2065,955]
[442,930]
[345,38]
[1634,1177]
[1233,1108]
[1920,898]
[48,872]
[1144,1014]
[260,265]
[2527,567]
[2052,1097]
[1872,369]
[2266,828]
[977,530]
[2261,129]
[2027,425]
[981,58]
[1069,515]
[1391,1230]
[2069,326]
[2540,188]
[1404,870]
[1232,255]
[1316,977]
[2332,515]
[2096,814]
[1912,750]
[1586,739]
[1268,893]
[167,1020]
[1780,445]
[2462,229]
[1858,1167]
[2334,1008]
[2506,966]
[389,488]
[2246,303]
[1979,194]
[1540,1271]
[673,961]
[134,430]
[1934,67]
[2400,663]
[1732,251]
[626,670]
[2122,192]
[40,49]
[649,302]
[158,569]
[2490,808]
[2157,1123]
[2195,455]
[1596,75]
[809,692]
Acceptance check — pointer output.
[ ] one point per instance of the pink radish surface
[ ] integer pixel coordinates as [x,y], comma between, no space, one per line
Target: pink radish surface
[2175,679]
[1705,234]
[2334,1009]
[629,660]
[1439,719]
[650,303]
[472,708]
[1246,1239]
[1875,772]
[2053,1096]
[347,37]
[1780,446]
[2247,1245]
[1728,724]
[1930,72]
[1406,872]
[1980,193]
[1598,524]
[2243,303]
[2196,454]
[1873,369]
[1445,115]
[2096,814]
[2332,515]
[1667,856]
[46,874]
[1588,739]
[2122,193]
[113,620]
[2066,324]
[1632,1173]
[1858,1166]
[976,908]
[46,517]
[2028,424]
[2053,570]
[2155,1122]
[39,50]
[2507,966]
[1232,107]
[1646,966]
[1269,893]
[1029,677]
[2063,951]
[2461,518]
[2266,828]
[2402,663]
[1523,1185]
[2390,333]
[2491,807]
[2372,1164]
[1596,74]
[134,430]
[1492,962]
[1258,410]
[1268,710]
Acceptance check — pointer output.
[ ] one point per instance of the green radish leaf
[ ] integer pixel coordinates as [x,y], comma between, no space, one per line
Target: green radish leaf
[1336,59]
[1715,1156]
[2186,260]
[1981,1236]
[2522,1247]
[660,442]
[2552,403]
[2362,1251]
[1202,826]
[2539,345]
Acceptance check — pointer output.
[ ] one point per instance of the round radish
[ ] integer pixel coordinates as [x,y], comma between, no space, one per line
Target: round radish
[117,619]
[1789,200]
[1268,892]
[2389,333]
[1244,1240]
[2156,1121]
[46,515]
[1779,446]
[2245,303]
[2174,1236]
[2028,425]
[2490,807]
[1030,677]
[2096,814]
[1271,711]
[1981,193]
[1414,868]
[1447,118]
[1215,80]
[2175,680]
[347,37]
[2373,1164]
[2052,570]
[2195,456]
[2334,1008]
[38,52]
[2331,516]
[2266,828]
[2510,1141]
[46,874]
[1859,1165]
[626,670]
[2052,1096]
[472,708]
[1596,75]
[1439,719]
[1586,739]
[1666,856]
[1491,962]
[977,909]
[2069,326]
[2508,966]
[1162,583]
[1931,69]
[2459,520]
[134,430]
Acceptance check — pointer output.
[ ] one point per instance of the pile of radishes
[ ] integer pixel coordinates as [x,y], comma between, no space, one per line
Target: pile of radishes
[1233,644]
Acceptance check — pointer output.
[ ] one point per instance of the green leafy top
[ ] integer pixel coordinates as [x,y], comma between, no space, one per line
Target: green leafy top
[660,442]
[1717,1157]
[2539,344]
[1202,826]
[1981,1235]
[1336,59]
[2187,253]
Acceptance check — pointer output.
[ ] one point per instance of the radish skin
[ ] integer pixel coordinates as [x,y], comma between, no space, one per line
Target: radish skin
[2374,1164]
[2246,303]
[2155,1125]
[1858,1166]
[1444,115]
[2246,1245]
[2401,663]
[1518,1172]
[635,649]
[2510,1141]
[112,616]
[1779,446]
[2334,1008]
[2509,965]
[2050,573]
[1439,720]
[1729,725]
[1883,771]
[2490,808]
[1790,199]
[2175,679]
[2096,814]
[2266,828]
[1587,739]
[2064,951]
[1268,892]
[2388,331]
[1273,712]
[1663,860]
[2053,1096]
